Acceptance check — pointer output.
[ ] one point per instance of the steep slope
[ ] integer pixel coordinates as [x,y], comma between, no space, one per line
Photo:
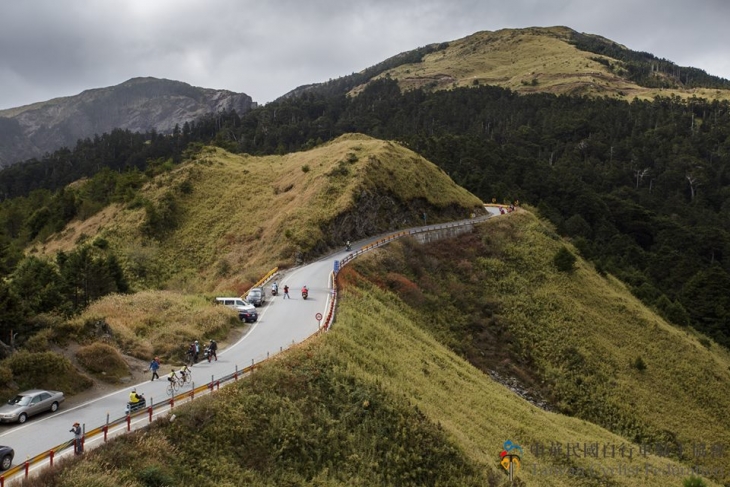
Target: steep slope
[532,60]
[138,105]
[230,218]
[375,401]
[580,340]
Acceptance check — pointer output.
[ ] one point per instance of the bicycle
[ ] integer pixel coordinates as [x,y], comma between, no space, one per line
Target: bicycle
[173,385]
[188,379]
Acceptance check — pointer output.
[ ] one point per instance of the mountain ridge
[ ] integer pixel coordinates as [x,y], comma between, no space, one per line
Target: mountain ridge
[140,105]
[352,173]
[528,60]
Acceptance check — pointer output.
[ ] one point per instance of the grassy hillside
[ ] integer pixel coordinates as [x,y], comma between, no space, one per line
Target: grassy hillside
[156,323]
[344,409]
[579,340]
[229,218]
[527,61]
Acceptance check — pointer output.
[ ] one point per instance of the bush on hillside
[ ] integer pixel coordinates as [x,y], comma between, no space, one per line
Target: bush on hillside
[639,364]
[40,342]
[6,376]
[46,370]
[693,482]
[103,361]
[564,260]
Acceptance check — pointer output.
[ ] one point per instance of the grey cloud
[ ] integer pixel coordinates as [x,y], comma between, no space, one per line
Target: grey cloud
[50,48]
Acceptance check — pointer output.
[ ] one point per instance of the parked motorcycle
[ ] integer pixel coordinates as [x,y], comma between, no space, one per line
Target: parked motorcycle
[133,407]
[208,354]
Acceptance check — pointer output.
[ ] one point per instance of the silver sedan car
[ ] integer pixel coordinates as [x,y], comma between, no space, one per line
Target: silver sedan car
[28,403]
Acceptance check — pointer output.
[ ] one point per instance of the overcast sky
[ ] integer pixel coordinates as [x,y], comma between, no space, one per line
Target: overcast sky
[264,48]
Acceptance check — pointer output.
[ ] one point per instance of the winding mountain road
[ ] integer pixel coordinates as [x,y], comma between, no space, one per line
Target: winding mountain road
[282,322]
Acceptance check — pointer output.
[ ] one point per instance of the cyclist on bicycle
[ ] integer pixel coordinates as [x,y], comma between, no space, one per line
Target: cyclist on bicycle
[183,372]
[172,377]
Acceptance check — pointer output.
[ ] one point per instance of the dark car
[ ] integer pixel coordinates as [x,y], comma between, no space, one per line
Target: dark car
[256,296]
[6,457]
[248,315]
[28,403]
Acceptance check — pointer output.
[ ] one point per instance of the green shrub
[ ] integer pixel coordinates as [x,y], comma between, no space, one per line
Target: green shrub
[101,243]
[103,361]
[564,260]
[39,342]
[639,364]
[693,482]
[223,268]
[6,375]
[341,169]
[46,370]
[155,476]
[186,187]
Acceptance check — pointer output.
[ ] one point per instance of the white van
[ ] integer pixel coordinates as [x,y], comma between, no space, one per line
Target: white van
[236,303]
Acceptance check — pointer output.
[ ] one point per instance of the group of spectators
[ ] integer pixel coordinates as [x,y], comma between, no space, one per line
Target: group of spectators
[193,355]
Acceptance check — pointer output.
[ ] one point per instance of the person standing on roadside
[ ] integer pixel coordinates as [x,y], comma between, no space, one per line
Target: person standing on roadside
[76,430]
[286,292]
[197,351]
[154,367]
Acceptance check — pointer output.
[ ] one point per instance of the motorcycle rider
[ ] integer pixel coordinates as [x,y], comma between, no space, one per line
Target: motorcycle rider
[134,398]
[348,247]
[305,291]
[274,288]
[213,347]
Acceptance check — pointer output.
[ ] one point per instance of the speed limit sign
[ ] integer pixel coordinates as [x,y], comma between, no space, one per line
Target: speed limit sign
[318,316]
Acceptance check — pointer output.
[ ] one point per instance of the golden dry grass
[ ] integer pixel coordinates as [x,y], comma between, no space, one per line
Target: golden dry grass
[513,58]
[379,341]
[478,413]
[161,323]
[246,214]
[685,387]
[103,361]
[582,334]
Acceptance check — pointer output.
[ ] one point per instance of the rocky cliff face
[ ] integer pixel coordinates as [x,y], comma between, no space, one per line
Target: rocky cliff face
[140,104]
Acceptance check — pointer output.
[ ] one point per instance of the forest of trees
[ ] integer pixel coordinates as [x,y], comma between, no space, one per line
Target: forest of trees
[644,68]
[642,188]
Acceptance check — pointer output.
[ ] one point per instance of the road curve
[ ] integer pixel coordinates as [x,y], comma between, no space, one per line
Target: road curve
[282,322]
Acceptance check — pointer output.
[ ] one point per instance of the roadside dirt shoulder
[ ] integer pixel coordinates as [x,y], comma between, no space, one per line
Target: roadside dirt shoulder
[138,371]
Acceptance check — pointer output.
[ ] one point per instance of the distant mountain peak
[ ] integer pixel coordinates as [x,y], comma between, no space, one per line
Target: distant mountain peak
[556,60]
[138,104]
